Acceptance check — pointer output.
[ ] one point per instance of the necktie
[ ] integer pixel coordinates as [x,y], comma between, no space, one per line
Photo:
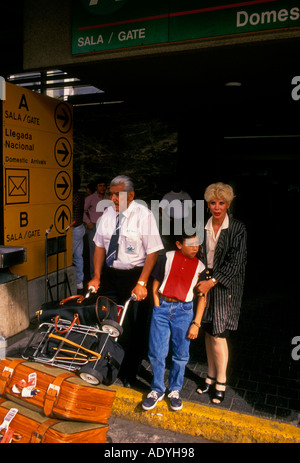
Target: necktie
[112,252]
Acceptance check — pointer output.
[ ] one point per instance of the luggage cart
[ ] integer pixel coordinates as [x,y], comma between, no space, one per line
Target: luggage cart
[55,246]
[76,347]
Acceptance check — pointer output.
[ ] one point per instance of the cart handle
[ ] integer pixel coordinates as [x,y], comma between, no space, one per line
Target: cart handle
[132,298]
[70,226]
[75,320]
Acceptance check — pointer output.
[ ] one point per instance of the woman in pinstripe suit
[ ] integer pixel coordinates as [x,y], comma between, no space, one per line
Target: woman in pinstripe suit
[224,254]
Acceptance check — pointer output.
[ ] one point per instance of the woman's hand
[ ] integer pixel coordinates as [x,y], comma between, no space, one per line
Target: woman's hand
[203,287]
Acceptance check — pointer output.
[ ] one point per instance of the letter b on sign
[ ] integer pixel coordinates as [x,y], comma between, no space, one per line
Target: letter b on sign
[2,88]
[23,219]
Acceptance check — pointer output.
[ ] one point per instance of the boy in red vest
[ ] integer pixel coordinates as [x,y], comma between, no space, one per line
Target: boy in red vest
[173,323]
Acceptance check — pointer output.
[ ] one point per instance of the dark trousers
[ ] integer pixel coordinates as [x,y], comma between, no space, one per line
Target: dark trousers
[117,286]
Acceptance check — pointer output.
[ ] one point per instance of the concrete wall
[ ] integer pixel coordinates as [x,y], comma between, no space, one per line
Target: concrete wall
[14,315]
[21,299]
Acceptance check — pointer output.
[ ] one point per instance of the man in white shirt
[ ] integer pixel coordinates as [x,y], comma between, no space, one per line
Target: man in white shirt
[129,271]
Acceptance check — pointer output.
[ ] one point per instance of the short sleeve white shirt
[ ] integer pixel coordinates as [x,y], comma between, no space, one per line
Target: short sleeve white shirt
[139,235]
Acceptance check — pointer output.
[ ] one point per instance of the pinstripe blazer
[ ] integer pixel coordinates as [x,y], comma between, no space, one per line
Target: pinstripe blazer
[224,300]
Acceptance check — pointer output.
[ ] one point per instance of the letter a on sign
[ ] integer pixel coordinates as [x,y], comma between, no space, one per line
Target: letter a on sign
[23,103]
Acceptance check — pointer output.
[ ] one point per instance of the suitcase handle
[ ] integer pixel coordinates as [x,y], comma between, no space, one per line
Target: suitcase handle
[75,320]
[70,298]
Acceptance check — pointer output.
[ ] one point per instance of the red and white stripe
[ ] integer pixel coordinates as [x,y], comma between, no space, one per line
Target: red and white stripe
[181,276]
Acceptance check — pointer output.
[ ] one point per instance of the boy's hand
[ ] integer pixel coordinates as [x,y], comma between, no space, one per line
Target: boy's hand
[156,301]
[193,332]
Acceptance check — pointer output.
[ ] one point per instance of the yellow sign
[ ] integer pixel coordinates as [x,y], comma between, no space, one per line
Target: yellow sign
[37,159]
[24,109]
[29,150]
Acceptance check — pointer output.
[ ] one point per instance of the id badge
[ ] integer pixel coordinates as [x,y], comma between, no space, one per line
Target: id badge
[131,243]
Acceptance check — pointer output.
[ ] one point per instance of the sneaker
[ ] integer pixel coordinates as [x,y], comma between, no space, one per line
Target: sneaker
[175,400]
[152,398]
[79,285]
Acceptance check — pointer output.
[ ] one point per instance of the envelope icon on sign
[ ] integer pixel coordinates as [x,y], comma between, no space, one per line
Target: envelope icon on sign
[17,186]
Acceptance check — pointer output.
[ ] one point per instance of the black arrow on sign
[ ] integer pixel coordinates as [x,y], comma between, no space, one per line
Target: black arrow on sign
[63,218]
[64,185]
[65,152]
[64,118]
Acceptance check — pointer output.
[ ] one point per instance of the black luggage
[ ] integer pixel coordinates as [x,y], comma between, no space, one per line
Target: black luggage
[107,368]
[92,310]
[92,351]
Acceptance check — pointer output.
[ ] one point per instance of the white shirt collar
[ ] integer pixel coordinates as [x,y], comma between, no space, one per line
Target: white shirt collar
[224,225]
[127,211]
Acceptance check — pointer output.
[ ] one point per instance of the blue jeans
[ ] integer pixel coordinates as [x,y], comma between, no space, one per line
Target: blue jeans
[78,234]
[169,328]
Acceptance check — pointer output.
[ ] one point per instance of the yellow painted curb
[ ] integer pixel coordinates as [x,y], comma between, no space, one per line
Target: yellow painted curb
[201,421]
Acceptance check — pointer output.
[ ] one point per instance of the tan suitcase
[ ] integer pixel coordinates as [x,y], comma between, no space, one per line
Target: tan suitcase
[57,393]
[28,426]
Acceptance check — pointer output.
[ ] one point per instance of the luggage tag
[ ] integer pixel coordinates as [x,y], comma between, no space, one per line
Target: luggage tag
[131,241]
[26,388]
[8,435]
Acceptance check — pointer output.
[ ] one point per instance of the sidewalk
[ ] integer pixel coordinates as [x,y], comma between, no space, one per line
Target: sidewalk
[262,402]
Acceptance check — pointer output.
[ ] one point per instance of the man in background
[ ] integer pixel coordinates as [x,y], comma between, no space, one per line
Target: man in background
[91,216]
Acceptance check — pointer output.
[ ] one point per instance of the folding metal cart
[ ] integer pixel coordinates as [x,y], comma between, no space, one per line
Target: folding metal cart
[80,348]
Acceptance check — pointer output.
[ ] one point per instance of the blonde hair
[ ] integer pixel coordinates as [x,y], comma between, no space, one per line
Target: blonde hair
[219,190]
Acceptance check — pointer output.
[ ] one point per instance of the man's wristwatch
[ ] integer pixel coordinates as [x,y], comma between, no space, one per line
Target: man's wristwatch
[142,283]
[214,281]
